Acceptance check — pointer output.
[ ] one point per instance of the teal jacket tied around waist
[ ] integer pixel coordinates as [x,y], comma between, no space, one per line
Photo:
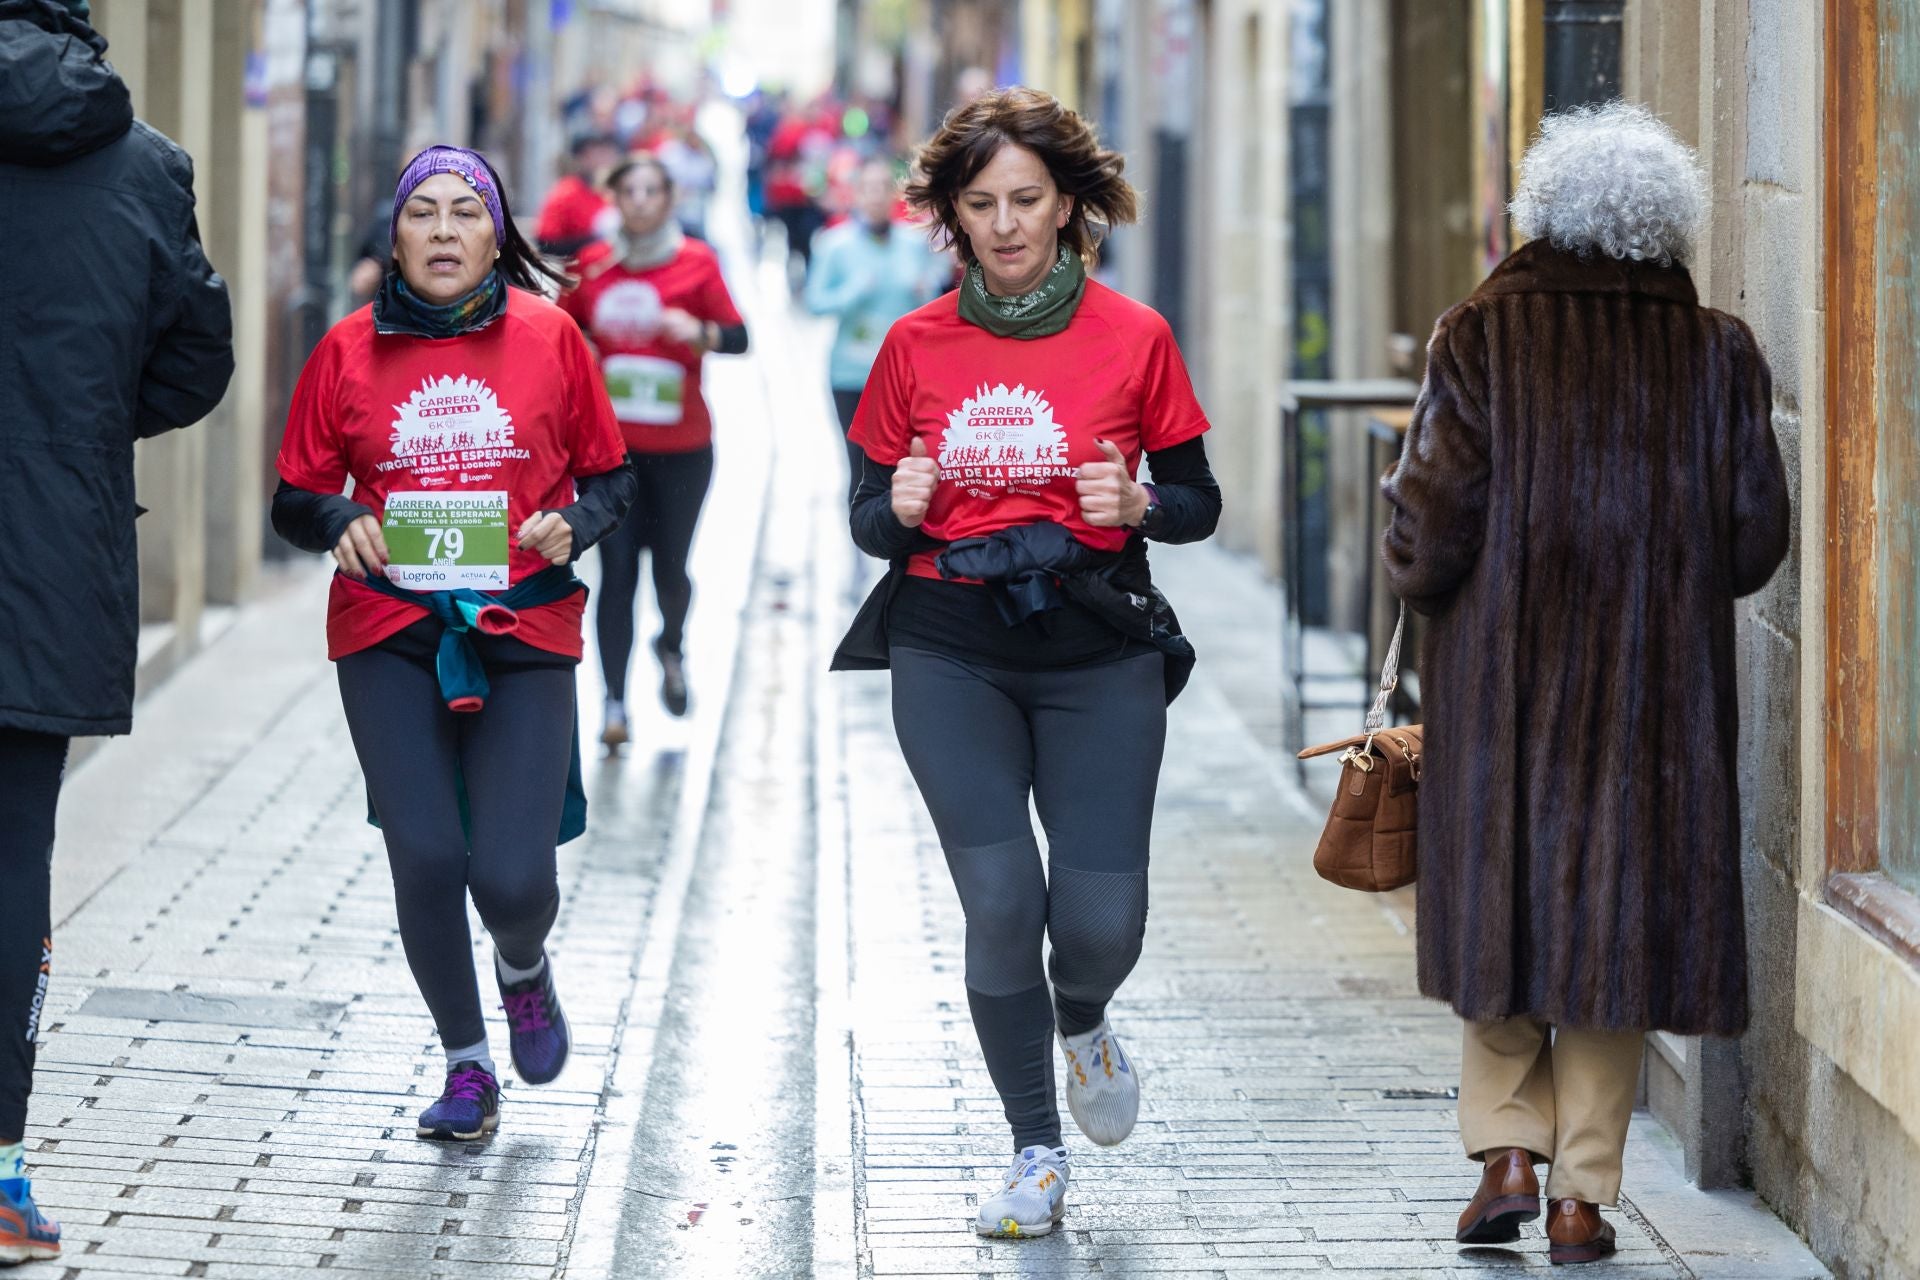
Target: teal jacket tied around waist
[463,676]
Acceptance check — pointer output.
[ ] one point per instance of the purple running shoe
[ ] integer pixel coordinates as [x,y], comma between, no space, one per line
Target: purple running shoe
[469,1107]
[536,1026]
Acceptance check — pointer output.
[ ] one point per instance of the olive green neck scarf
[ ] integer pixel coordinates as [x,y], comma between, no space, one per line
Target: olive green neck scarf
[1045,311]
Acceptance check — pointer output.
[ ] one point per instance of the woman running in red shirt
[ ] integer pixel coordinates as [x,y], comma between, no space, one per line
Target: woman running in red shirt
[654,304]
[485,458]
[1031,656]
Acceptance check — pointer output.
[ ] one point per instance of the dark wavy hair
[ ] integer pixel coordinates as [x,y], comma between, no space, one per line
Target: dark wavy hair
[520,263]
[973,134]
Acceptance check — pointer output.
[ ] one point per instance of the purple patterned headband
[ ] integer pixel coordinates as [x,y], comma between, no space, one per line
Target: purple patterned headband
[463,164]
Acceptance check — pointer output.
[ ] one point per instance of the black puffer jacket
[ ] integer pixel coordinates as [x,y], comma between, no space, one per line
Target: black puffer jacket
[113,326]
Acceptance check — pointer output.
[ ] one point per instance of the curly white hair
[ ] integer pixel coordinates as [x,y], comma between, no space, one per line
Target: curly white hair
[1613,180]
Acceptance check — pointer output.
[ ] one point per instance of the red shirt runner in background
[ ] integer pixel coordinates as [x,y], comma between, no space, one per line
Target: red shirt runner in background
[569,213]
[653,381]
[1011,420]
[516,406]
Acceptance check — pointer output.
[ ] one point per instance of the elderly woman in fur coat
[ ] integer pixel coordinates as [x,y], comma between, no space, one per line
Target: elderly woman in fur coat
[1590,480]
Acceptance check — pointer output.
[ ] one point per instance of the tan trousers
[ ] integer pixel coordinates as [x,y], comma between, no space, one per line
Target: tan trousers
[1564,1095]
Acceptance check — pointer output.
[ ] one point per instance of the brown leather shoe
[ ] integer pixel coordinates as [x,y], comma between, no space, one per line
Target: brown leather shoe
[1576,1233]
[1509,1195]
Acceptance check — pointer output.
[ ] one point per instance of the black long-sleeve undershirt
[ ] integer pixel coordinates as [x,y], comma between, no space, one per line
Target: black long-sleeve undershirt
[1182,480]
[315,521]
[1189,496]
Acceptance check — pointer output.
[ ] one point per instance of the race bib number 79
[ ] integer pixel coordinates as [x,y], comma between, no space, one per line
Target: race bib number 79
[444,541]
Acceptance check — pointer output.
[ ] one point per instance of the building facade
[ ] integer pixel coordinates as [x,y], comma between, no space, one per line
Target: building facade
[186,63]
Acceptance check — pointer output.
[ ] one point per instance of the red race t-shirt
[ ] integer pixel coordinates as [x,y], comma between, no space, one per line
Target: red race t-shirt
[1011,420]
[654,382]
[570,211]
[514,407]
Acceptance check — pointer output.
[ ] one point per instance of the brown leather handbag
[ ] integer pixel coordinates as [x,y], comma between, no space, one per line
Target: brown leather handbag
[1370,838]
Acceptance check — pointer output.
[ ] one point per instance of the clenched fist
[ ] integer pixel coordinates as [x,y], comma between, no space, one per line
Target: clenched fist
[362,549]
[547,533]
[913,484]
[1109,498]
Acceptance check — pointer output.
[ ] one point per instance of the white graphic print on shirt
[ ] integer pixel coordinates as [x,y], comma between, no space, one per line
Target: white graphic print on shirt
[628,312]
[1003,441]
[452,429]
[645,389]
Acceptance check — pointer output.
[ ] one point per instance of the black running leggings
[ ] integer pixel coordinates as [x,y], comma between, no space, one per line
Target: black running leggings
[30,769]
[846,403]
[514,755]
[673,488]
[1085,743]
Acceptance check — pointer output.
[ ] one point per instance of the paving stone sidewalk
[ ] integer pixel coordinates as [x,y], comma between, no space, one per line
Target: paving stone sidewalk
[1298,1110]
[229,1087]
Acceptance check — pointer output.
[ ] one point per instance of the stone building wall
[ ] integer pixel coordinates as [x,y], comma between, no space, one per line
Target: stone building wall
[185,62]
[1744,80]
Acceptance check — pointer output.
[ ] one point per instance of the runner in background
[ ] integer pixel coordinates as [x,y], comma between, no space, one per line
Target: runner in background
[762,120]
[868,272]
[690,163]
[655,305]
[797,158]
[571,218]
[485,459]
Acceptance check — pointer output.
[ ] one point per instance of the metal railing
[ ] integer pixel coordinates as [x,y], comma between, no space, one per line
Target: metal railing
[1296,398]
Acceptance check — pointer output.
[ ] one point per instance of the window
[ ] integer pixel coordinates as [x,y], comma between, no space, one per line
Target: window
[1873,470]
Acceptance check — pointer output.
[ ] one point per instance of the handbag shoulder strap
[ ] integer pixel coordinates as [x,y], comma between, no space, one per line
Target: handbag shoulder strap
[1389,677]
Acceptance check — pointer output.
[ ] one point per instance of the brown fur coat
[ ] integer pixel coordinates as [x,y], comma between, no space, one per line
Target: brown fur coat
[1591,478]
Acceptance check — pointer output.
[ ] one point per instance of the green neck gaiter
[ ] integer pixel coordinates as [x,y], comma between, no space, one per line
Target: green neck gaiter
[1045,311]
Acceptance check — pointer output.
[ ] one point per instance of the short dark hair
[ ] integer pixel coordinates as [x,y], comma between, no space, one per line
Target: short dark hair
[973,134]
[586,141]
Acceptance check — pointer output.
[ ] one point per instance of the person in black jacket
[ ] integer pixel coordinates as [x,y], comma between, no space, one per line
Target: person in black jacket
[113,328]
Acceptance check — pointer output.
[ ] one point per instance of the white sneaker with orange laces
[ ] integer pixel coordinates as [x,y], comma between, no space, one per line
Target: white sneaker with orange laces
[1103,1092]
[1030,1200]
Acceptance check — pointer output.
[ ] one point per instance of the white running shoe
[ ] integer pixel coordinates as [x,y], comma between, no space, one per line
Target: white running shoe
[1103,1093]
[615,734]
[1033,1198]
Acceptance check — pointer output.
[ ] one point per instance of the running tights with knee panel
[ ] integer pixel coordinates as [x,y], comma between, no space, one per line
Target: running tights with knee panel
[514,756]
[1085,744]
[31,764]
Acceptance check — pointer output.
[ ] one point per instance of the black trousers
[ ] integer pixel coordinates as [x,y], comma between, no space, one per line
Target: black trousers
[31,766]
[802,222]
[1084,743]
[845,403]
[514,755]
[662,520]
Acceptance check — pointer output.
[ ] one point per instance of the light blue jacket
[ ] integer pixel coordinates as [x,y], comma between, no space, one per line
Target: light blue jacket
[869,282]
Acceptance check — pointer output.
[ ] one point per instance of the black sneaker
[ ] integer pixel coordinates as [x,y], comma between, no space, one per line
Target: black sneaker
[673,683]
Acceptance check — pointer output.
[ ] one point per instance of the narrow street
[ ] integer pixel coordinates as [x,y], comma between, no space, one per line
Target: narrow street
[760,951]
